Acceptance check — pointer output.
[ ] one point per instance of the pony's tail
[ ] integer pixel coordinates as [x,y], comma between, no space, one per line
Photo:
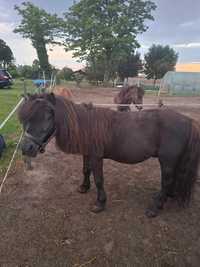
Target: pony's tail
[187,167]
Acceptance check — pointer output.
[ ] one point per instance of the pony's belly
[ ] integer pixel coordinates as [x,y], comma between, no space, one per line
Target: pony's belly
[131,157]
[132,150]
[129,160]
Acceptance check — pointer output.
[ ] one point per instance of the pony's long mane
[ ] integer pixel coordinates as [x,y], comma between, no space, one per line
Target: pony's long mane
[82,128]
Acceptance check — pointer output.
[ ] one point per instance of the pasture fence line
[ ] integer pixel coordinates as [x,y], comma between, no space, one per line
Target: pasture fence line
[11,113]
[142,105]
[11,161]
[18,143]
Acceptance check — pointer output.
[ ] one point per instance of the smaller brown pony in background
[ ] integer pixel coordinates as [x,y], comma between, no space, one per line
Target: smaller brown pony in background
[128,95]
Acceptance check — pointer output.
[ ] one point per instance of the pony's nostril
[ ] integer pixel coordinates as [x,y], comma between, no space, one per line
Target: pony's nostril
[30,147]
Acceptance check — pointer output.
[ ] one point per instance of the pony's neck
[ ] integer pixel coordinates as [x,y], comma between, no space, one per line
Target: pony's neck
[70,122]
[82,129]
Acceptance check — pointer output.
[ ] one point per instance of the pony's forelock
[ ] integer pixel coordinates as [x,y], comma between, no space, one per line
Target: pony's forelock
[31,105]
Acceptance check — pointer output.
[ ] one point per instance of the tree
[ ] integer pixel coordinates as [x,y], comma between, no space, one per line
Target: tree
[95,70]
[159,60]
[65,74]
[13,70]
[26,71]
[107,29]
[41,28]
[6,55]
[36,69]
[129,66]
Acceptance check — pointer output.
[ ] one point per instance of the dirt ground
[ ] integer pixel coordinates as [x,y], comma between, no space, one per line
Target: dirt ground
[45,222]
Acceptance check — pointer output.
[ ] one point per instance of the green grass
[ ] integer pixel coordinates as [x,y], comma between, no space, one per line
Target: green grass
[12,129]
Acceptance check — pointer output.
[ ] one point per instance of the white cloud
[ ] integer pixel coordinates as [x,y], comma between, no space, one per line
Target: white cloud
[195,62]
[187,24]
[188,45]
[6,28]
[191,23]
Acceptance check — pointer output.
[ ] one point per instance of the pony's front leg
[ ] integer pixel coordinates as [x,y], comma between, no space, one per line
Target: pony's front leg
[85,186]
[97,168]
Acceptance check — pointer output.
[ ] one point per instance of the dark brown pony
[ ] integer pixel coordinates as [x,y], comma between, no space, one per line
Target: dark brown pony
[132,137]
[128,95]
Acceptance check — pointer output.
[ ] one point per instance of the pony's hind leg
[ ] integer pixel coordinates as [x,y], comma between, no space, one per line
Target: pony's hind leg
[167,185]
[97,169]
[85,186]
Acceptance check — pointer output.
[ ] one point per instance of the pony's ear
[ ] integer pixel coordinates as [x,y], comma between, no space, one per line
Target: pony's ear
[51,98]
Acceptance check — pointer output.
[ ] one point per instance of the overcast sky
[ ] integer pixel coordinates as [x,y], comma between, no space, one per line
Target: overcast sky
[177,23]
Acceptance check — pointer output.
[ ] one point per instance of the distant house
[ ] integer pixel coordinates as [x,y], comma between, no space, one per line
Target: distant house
[181,83]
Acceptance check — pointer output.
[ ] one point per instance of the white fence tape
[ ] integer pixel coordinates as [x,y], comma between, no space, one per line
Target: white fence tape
[11,113]
[10,164]
[142,105]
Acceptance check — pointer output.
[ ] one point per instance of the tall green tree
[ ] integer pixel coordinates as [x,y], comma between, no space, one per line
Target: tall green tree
[159,60]
[26,71]
[129,66]
[106,28]
[41,28]
[65,74]
[6,55]
[95,70]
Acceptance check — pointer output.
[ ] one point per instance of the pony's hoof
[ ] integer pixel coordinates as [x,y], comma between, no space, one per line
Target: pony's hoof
[83,189]
[97,208]
[158,200]
[151,213]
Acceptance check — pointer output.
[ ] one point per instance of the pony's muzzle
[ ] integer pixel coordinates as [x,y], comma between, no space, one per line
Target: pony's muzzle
[29,148]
